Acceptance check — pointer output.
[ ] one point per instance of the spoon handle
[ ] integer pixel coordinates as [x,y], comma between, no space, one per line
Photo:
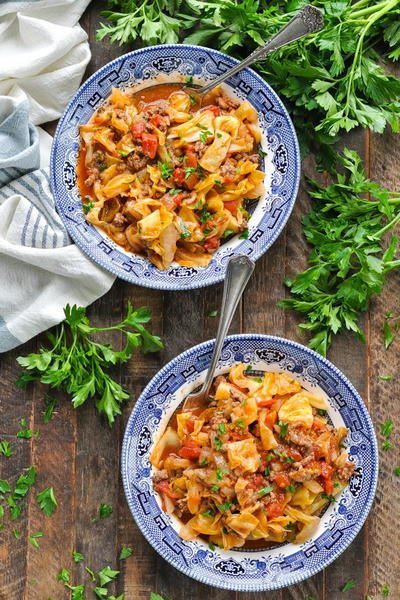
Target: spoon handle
[238,273]
[308,20]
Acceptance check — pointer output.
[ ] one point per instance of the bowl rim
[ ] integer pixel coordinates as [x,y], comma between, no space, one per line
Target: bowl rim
[169,285]
[296,577]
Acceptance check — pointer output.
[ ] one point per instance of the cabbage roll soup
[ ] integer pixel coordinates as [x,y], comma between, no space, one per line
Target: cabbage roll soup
[256,467]
[166,178]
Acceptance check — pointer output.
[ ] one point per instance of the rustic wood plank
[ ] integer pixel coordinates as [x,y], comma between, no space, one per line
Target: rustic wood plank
[15,404]
[383,563]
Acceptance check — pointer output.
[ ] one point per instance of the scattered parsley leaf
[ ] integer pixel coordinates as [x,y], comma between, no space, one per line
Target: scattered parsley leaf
[217,443]
[349,585]
[33,540]
[386,377]
[225,506]
[77,556]
[5,448]
[221,428]
[16,534]
[387,428]
[63,575]
[244,234]
[126,552]
[106,575]
[105,510]
[47,501]
[91,573]
[212,313]
[387,445]
[4,486]
[385,590]
[396,471]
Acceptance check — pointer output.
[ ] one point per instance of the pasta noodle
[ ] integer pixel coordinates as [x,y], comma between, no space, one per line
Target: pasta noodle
[257,466]
[167,179]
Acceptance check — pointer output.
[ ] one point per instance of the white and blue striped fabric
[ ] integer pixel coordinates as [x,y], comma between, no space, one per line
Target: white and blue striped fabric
[41,270]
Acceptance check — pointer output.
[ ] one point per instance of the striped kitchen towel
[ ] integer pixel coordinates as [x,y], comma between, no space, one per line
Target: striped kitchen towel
[41,270]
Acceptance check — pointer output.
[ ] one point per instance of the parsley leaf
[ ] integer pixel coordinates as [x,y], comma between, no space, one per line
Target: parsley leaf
[105,510]
[349,585]
[50,406]
[385,590]
[106,575]
[77,556]
[47,501]
[396,471]
[283,428]
[5,448]
[33,539]
[265,490]
[126,552]
[166,169]
[225,506]
[387,428]
[76,364]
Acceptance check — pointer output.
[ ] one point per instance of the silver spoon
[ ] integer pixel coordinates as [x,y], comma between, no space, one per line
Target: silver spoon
[309,20]
[238,273]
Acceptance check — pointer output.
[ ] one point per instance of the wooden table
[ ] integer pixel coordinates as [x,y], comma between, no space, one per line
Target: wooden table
[78,454]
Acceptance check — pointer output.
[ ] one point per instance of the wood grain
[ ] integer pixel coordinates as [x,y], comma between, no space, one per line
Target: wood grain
[78,454]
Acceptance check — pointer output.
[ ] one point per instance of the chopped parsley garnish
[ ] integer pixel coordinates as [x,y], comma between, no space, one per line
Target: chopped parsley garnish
[218,134]
[219,184]
[219,474]
[240,423]
[102,166]
[349,585]
[262,153]
[244,235]
[283,428]
[63,576]
[189,79]
[267,471]
[193,100]
[123,152]
[211,546]
[215,488]
[165,169]
[257,379]
[4,486]
[225,506]
[185,233]
[205,216]
[291,488]
[330,499]
[322,412]
[204,462]
[126,552]
[209,513]
[265,490]
[47,501]
[228,232]
[190,171]
[249,368]
[217,443]
[5,448]
[221,428]
[290,526]
[205,135]
[87,207]
[174,191]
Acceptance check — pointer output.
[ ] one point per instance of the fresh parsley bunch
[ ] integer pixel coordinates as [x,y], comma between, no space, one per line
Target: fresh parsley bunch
[76,363]
[349,259]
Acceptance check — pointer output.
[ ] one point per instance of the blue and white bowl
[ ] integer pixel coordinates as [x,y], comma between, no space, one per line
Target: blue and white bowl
[162,64]
[249,570]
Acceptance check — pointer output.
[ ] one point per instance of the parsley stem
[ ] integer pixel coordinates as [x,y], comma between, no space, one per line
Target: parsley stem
[389,225]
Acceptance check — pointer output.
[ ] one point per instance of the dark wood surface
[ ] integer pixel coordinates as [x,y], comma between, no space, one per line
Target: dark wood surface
[78,454]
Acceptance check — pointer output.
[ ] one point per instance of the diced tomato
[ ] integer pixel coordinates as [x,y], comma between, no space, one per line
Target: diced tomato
[231,205]
[163,486]
[137,129]
[191,159]
[295,454]
[190,426]
[326,470]
[274,509]
[318,424]
[171,202]
[156,120]
[179,175]
[214,109]
[190,450]
[211,243]
[226,181]
[150,144]
[270,419]
[328,486]
[191,181]
[282,480]
[265,403]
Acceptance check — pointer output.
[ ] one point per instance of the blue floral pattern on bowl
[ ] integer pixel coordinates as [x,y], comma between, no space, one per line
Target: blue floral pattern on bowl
[160,64]
[251,570]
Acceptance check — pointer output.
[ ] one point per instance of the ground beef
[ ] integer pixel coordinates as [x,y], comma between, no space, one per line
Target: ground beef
[160,475]
[345,472]
[94,175]
[228,168]
[119,220]
[251,156]
[305,473]
[137,159]
[298,436]
[199,148]
[227,103]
